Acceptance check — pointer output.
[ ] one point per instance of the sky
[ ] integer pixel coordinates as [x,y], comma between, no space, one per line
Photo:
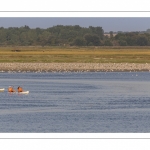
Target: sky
[126,24]
[113,15]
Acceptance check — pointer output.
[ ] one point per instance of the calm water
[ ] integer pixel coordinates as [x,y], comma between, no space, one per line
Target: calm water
[76,102]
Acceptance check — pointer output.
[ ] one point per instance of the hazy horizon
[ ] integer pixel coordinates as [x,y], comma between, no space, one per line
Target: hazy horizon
[108,24]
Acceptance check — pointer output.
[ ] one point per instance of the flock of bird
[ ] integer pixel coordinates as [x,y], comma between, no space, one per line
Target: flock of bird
[72,67]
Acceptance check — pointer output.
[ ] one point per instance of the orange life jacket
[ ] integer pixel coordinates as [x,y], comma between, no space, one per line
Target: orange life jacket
[10,89]
[20,89]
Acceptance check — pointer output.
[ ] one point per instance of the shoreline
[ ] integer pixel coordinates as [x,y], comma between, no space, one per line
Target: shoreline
[74,67]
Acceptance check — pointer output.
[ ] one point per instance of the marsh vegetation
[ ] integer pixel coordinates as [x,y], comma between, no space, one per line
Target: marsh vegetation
[51,54]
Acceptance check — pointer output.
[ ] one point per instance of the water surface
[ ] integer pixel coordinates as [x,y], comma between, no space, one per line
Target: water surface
[91,102]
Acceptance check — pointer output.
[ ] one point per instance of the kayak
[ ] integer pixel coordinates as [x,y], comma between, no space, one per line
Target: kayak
[24,92]
[2,89]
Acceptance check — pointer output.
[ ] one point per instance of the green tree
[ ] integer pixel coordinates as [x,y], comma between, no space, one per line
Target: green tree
[142,41]
[122,43]
[108,43]
[111,34]
[93,39]
[44,38]
[79,42]
[56,35]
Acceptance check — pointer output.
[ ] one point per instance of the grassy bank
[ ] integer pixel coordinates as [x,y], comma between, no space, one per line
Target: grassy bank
[76,54]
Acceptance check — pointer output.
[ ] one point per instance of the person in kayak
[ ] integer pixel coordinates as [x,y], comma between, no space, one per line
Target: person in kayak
[20,89]
[11,89]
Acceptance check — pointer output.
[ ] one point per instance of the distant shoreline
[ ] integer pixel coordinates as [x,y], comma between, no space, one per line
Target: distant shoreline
[74,67]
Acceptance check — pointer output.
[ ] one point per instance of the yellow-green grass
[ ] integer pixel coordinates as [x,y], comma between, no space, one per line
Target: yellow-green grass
[76,54]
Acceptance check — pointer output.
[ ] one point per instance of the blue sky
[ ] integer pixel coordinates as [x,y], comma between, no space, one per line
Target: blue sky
[107,23]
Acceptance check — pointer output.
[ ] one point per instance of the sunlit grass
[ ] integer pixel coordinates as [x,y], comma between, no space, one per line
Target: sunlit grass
[77,54]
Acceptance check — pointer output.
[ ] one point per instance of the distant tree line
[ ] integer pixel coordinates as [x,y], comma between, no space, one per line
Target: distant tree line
[70,35]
